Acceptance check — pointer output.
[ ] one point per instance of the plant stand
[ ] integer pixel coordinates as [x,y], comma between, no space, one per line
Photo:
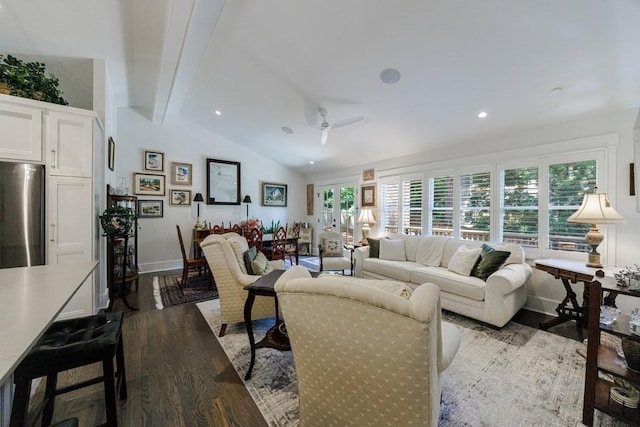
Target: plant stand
[117,277]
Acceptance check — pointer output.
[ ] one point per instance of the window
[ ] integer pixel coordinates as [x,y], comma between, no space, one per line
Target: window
[567,184]
[442,206]
[519,214]
[412,207]
[391,203]
[475,206]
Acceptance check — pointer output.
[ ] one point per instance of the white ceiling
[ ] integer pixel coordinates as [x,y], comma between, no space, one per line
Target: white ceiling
[269,64]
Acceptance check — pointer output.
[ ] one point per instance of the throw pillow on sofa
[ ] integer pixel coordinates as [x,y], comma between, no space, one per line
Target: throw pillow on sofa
[374,247]
[490,261]
[260,265]
[249,256]
[463,260]
[392,250]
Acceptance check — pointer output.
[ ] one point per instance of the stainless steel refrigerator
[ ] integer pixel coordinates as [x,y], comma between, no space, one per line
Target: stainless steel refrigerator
[22,215]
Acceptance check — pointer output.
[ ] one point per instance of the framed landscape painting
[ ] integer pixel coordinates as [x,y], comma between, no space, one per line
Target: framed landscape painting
[274,194]
[150,209]
[180,197]
[148,184]
[181,173]
[153,161]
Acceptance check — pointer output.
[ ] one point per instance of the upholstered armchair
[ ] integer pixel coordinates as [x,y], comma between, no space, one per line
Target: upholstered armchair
[333,256]
[365,354]
[225,256]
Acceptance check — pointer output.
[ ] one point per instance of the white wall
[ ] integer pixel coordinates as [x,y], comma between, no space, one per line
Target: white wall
[623,248]
[184,142]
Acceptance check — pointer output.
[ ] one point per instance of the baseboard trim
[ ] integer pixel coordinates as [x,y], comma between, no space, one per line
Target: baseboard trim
[152,267]
[541,305]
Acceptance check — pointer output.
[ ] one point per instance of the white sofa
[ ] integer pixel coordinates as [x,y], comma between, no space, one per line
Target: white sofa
[426,260]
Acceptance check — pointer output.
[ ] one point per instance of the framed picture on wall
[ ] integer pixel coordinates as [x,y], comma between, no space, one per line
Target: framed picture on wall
[368,193]
[150,209]
[180,197]
[309,199]
[112,154]
[148,184]
[368,174]
[181,173]
[274,194]
[153,161]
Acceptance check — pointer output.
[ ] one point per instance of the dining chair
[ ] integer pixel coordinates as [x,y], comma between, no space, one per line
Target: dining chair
[278,246]
[254,237]
[292,248]
[217,229]
[236,228]
[189,264]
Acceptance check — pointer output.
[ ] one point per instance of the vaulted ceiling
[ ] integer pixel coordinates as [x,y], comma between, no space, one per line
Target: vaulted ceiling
[268,66]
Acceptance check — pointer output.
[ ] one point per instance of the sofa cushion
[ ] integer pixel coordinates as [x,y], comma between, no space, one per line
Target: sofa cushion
[397,270]
[249,256]
[260,265]
[463,260]
[448,281]
[392,250]
[411,244]
[517,253]
[430,250]
[374,247]
[490,261]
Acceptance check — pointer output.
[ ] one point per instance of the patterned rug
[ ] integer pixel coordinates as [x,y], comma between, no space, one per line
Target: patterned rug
[518,376]
[166,290]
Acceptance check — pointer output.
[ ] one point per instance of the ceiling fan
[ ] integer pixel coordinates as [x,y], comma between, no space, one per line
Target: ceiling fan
[325,126]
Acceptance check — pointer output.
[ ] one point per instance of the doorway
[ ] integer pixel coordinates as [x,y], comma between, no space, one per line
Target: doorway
[337,210]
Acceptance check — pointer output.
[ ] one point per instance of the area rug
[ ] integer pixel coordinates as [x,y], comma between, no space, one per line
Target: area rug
[166,290]
[518,376]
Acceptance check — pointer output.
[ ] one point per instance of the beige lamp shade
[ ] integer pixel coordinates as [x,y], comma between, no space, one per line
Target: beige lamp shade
[595,209]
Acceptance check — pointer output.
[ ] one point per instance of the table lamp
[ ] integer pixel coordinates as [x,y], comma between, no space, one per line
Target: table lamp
[366,218]
[198,198]
[247,200]
[595,209]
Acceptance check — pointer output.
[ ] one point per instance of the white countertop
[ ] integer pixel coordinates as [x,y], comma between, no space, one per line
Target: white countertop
[30,300]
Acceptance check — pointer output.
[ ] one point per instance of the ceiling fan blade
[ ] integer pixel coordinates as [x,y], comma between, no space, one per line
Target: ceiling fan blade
[324,137]
[347,122]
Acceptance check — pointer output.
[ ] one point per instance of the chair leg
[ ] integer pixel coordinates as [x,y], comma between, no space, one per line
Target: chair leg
[223,329]
[20,402]
[121,385]
[185,276]
[49,399]
[110,392]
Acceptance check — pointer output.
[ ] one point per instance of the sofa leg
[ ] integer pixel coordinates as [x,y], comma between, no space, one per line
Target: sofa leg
[223,329]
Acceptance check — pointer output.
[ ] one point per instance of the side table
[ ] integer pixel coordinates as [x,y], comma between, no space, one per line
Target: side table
[573,272]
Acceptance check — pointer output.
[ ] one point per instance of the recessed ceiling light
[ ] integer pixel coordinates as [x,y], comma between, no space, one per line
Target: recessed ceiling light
[287,129]
[217,112]
[482,114]
[311,162]
[390,76]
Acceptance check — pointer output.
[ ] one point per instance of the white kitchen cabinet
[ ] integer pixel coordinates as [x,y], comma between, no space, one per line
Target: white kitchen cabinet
[69,147]
[70,222]
[21,131]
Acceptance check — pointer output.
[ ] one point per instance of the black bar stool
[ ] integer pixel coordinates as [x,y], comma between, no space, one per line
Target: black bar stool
[69,344]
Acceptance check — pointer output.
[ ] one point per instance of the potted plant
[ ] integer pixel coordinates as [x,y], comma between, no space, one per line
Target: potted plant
[117,220]
[28,80]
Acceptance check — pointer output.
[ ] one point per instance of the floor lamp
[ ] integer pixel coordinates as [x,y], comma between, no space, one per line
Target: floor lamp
[595,209]
[366,218]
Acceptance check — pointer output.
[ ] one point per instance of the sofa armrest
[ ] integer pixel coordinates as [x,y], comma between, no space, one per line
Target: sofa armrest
[507,279]
[359,255]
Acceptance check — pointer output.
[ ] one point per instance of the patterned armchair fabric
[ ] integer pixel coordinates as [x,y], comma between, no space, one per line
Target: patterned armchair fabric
[333,256]
[364,355]
[224,254]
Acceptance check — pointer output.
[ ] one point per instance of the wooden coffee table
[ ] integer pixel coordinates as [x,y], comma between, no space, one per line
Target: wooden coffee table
[276,337]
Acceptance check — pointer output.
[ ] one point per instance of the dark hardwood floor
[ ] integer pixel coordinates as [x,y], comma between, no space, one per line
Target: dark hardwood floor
[177,374]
